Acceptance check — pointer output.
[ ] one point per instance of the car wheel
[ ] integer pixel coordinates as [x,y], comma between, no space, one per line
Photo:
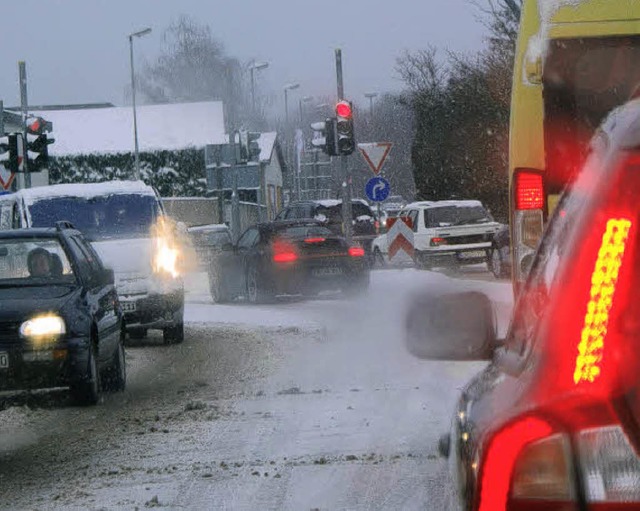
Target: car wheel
[218,293]
[137,333]
[173,334]
[378,258]
[86,390]
[497,265]
[116,377]
[256,293]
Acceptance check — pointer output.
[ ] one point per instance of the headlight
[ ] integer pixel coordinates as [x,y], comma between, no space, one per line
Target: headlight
[166,259]
[43,329]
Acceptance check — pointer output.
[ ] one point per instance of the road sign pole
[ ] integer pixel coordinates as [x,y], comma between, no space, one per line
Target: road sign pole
[344,164]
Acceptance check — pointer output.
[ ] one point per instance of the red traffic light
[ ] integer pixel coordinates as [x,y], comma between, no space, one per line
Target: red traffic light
[38,126]
[343,109]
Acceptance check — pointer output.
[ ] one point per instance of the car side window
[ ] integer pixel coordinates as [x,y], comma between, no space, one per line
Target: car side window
[248,239]
[92,257]
[413,215]
[80,259]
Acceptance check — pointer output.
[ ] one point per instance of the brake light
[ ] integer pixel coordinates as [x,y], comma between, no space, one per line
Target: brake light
[284,252]
[356,251]
[436,242]
[315,240]
[603,286]
[500,459]
[529,190]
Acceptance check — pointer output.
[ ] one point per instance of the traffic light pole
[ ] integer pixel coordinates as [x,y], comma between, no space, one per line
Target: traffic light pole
[344,167]
[24,104]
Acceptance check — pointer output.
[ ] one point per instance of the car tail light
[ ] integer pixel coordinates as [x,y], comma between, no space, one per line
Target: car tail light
[528,217]
[436,242]
[529,190]
[315,240]
[284,252]
[356,251]
[610,467]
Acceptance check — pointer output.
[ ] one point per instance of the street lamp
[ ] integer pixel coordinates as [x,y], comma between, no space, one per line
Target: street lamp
[287,88]
[371,95]
[304,99]
[133,96]
[256,66]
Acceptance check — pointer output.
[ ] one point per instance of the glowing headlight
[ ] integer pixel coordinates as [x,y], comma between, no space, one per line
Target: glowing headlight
[43,328]
[166,258]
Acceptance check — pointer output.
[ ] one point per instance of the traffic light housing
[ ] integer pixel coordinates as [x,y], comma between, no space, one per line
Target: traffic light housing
[249,146]
[345,139]
[324,136]
[12,152]
[38,144]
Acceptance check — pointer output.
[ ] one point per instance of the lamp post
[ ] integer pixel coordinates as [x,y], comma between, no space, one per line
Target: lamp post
[304,99]
[133,97]
[370,95]
[287,88]
[256,66]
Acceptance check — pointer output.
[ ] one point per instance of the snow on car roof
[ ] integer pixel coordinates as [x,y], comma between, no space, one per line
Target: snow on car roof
[209,227]
[86,190]
[445,203]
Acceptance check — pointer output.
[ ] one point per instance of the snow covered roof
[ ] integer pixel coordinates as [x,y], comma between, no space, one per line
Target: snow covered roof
[86,190]
[160,127]
[267,142]
[445,203]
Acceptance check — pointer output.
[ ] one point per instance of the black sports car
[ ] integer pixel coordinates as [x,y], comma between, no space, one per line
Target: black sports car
[60,319]
[287,257]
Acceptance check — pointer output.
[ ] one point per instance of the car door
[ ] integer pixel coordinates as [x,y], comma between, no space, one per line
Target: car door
[101,298]
[234,262]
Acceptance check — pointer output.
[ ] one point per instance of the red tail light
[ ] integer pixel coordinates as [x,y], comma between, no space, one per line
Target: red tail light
[529,190]
[284,252]
[315,240]
[356,251]
[436,242]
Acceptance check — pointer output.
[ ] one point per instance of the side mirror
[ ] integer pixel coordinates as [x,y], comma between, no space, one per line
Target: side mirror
[105,277]
[460,326]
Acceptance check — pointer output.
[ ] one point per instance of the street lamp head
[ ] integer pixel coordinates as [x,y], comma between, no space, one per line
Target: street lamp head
[306,99]
[259,65]
[140,33]
[370,94]
[292,86]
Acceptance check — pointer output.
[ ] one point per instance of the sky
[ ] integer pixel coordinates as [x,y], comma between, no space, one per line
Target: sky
[77,51]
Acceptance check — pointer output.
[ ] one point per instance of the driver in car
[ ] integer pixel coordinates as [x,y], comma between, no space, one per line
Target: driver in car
[39,263]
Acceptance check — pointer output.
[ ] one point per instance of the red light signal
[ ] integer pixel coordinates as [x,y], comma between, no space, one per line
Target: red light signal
[343,109]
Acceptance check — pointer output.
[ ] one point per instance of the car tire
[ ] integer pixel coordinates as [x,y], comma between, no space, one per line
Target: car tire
[116,377]
[256,291]
[497,265]
[86,390]
[173,334]
[137,333]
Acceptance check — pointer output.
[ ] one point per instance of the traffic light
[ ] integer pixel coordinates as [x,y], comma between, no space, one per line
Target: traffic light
[12,152]
[344,128]
[249,146]
[37,148]
[324,136]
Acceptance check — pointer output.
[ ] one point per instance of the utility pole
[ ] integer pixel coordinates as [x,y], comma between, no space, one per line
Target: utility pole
[24,104]
[344,167]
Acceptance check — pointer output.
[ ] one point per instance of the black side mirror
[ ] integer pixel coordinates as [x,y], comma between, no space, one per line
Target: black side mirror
[459,326]
[104,278]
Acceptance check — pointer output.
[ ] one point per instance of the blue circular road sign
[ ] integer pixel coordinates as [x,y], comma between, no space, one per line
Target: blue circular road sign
[377,189]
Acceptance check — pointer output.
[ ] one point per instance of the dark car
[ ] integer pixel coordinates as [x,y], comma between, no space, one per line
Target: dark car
[329,212]
[287,257]
[499,255]
[60,319]
[553,422]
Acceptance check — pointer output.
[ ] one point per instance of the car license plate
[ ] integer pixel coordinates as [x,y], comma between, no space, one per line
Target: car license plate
[472,255]
[128,306]
[4,360]
[328,271]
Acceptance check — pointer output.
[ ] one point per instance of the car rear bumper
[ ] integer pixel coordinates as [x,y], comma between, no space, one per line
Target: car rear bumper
[451,257]
[153,310]
[58,367]
[312,278]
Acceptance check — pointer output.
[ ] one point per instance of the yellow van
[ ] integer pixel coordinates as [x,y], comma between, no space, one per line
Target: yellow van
[576,60]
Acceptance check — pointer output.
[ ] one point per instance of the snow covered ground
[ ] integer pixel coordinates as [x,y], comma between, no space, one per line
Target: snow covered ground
[296,405]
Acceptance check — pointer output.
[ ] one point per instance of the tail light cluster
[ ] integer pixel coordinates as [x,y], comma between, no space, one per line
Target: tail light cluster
[284,252]
[528,198]
[356,251]
[536,469]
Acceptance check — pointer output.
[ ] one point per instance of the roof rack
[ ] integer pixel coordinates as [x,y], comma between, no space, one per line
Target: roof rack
[64,224]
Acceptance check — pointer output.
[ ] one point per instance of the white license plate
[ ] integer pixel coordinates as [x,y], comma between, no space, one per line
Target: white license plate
[128,306]
[4,360]
[331,270]
[472,255]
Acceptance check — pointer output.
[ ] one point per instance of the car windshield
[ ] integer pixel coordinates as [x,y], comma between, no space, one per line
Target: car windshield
[33,261]
[104,217]
[446,216]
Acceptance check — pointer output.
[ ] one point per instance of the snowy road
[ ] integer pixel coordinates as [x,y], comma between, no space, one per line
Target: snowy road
[298,405]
